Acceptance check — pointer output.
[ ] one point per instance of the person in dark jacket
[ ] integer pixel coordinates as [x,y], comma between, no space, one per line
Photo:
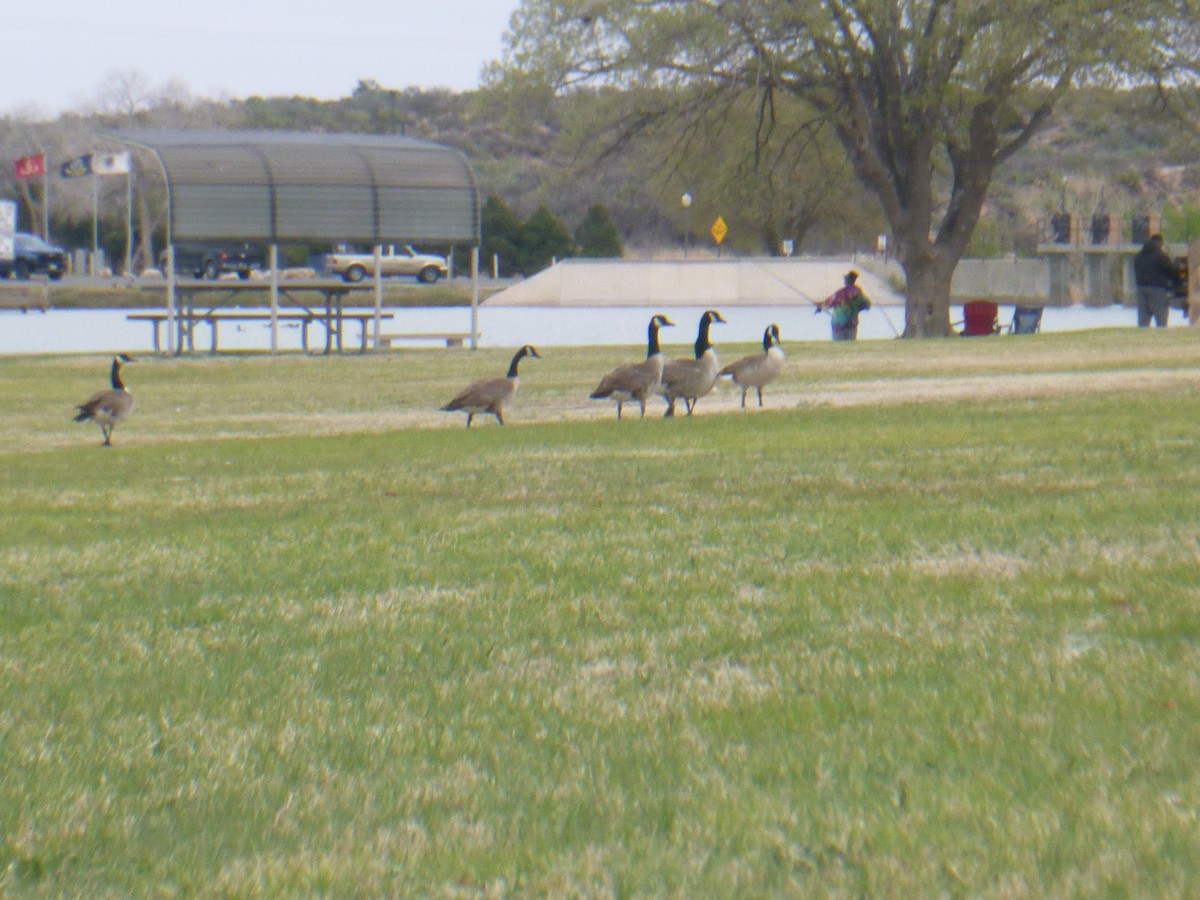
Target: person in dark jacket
[1156,276]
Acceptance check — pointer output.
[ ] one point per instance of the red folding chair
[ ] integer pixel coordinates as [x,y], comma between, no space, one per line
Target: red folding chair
[980,317]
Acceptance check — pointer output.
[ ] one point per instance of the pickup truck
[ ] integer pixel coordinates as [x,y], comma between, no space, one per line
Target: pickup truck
[211,259]
[354,266]
[32,255]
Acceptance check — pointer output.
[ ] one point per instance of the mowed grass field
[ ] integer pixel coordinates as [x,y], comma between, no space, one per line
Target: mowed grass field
[926,625]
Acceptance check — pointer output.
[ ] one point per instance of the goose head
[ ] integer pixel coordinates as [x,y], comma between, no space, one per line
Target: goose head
[661,321]
[771,337]
[527,350]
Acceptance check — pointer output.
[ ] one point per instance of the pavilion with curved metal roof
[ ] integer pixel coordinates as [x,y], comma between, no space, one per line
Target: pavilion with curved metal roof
[278,187]
[281,186]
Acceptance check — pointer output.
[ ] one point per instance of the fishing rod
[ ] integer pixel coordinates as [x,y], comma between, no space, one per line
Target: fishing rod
[790,287]
[888,320]
[819,307]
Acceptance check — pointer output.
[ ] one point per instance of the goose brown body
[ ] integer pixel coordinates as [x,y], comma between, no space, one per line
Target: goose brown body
[489,395]
[110,407]
[691,379]
[760,369]
[636,381]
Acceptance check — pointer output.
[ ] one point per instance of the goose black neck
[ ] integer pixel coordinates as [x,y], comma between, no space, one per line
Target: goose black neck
[652,339]
[703,344]
[117,383]
[512,367]
[767,340]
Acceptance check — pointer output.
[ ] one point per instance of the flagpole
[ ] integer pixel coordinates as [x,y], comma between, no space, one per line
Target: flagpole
[128,221]
[95,222]
[46,202]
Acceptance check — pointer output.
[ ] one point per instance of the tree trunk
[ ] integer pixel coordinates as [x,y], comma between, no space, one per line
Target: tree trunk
[927,305]
[32,207]
[145,226]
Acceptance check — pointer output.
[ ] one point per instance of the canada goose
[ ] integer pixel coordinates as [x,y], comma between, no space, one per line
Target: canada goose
[635,381]
[761,369]
[107,408]
[490,394]
[691,379]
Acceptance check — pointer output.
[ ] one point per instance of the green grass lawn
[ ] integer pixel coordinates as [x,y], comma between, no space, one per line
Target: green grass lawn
[925,626]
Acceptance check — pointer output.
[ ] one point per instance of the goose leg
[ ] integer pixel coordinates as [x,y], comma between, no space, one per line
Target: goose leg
[470,416]
[759,398]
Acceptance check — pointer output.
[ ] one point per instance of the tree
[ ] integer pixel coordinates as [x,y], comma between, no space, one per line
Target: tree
[544,238]
[597,234]
[788,182]
[500,235]
[927,97]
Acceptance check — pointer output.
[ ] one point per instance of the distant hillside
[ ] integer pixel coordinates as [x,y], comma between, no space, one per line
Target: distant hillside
[1117,153]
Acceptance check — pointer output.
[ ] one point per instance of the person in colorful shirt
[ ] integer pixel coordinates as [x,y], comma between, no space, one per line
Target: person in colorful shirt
[844,307]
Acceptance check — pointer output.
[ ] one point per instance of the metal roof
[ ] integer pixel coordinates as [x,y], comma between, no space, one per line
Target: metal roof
[282,186]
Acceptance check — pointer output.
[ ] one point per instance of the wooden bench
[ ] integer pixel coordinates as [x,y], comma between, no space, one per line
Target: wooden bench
[25,297]
[451,338]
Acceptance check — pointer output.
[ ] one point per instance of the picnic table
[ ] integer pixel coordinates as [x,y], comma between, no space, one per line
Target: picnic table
[210,302]
[333,331]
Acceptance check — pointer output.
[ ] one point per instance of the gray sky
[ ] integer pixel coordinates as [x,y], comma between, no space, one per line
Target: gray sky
[58,56]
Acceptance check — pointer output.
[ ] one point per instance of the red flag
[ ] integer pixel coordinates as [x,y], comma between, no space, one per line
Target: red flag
[28,166]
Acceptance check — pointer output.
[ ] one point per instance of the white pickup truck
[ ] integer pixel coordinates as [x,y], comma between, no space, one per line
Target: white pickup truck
[404,260]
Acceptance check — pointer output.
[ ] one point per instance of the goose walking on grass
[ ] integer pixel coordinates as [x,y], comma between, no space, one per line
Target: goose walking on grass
[636,381]
[489,395]
[761,369]
[691,379]
[107,408]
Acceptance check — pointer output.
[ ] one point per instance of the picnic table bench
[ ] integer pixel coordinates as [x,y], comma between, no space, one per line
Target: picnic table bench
[451,338]
[25,296]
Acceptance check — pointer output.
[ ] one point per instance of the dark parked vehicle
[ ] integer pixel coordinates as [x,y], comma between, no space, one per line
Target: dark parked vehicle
[33,256]
[211,259]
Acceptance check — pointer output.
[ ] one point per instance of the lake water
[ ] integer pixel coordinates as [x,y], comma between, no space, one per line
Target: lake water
[108,331]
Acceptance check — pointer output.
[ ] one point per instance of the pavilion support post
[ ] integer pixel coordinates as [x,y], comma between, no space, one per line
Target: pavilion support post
[273,256]
[378,324]
[475,297]
[172,315]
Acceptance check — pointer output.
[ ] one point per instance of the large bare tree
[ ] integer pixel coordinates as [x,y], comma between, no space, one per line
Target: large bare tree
[927,97]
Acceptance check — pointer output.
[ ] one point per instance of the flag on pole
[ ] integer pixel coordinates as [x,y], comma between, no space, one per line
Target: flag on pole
[77,167]
[29,166]
[110,163]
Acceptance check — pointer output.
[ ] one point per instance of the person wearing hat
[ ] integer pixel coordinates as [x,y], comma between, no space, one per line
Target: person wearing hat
[844,306]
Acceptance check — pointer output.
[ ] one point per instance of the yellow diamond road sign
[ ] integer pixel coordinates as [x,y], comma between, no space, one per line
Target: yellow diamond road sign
[719,229]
